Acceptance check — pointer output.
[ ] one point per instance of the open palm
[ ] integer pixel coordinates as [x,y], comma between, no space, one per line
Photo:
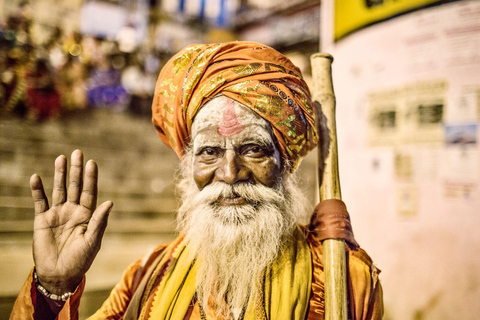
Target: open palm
[67,236]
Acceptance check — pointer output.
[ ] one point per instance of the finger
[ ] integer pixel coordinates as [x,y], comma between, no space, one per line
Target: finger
[40,201]
[59,180]
[88,199]
[75,179]
[98,223]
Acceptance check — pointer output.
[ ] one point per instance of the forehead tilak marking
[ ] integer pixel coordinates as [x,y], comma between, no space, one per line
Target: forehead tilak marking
[230,124]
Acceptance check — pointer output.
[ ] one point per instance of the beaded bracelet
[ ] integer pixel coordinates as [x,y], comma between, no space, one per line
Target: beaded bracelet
[56,297]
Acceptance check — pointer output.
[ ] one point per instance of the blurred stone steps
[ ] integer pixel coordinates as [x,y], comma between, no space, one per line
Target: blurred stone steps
[136,172]
[133,163]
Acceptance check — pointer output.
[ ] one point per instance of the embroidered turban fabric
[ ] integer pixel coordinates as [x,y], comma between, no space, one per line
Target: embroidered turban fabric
[255,75]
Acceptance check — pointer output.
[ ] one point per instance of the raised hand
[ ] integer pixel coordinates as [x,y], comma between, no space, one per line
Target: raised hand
[67,236]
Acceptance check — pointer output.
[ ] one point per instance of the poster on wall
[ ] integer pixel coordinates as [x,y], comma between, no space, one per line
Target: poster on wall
[412,113]
[353,15]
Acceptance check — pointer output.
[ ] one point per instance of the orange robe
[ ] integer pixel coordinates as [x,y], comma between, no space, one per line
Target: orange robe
[365,292]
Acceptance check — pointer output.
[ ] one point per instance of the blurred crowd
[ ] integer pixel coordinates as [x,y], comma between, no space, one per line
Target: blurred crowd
[70,72]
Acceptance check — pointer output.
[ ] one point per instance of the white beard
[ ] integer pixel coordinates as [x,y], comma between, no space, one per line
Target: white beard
[234,244]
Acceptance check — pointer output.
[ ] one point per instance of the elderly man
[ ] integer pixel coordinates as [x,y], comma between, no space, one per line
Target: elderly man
[240,117]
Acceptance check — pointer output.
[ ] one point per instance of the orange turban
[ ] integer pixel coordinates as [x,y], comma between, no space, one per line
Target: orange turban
[255,75]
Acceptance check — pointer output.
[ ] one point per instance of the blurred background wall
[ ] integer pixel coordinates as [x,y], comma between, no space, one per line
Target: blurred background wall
[407,82]
[81,74]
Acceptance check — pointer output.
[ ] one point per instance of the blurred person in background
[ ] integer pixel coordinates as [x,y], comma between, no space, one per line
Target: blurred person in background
[53,48]
[13,84]
[15,51]
[104,86]
[10,31]
[20,24]
[71,82]
[240,117]
[43,99]
[139,85]
[126,38]
[53,41]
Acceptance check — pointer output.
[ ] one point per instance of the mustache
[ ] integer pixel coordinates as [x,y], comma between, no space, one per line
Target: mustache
[254,194]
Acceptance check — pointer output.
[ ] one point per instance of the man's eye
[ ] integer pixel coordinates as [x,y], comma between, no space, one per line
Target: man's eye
[209,152]
[255,151]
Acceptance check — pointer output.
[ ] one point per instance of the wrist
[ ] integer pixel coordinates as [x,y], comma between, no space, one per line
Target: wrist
[55,289]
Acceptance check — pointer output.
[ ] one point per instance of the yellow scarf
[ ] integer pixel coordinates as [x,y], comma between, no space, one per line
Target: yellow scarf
[286,288]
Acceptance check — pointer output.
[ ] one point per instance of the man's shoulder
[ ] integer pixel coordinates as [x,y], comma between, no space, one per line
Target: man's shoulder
[151,255]
[138,269]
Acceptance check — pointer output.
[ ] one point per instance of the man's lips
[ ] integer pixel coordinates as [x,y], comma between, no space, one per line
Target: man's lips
[231,201]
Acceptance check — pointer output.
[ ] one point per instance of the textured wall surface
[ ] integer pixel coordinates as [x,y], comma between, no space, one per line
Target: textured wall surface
[411,177]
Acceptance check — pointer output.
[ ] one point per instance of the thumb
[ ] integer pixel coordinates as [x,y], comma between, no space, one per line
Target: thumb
[98,223]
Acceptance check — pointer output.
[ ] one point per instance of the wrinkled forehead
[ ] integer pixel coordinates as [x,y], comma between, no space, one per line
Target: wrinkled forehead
[223,117]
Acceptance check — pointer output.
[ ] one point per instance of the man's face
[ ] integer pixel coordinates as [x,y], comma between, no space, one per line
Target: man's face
[239,208]
[232,144]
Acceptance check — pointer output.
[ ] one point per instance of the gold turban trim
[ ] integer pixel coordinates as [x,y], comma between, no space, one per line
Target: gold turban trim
[255,75]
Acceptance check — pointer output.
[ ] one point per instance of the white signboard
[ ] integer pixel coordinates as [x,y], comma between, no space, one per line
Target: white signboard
[408,106]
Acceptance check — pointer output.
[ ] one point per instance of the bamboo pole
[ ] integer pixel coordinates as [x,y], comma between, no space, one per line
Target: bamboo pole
[329,182]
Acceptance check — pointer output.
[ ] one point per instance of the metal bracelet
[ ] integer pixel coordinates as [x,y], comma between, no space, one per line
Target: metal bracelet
[56,297]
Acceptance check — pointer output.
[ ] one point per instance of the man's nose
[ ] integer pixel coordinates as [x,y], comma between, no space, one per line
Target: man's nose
[232,170]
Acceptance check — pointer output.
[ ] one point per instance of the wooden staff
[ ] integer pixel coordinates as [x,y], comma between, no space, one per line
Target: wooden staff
[329,185]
